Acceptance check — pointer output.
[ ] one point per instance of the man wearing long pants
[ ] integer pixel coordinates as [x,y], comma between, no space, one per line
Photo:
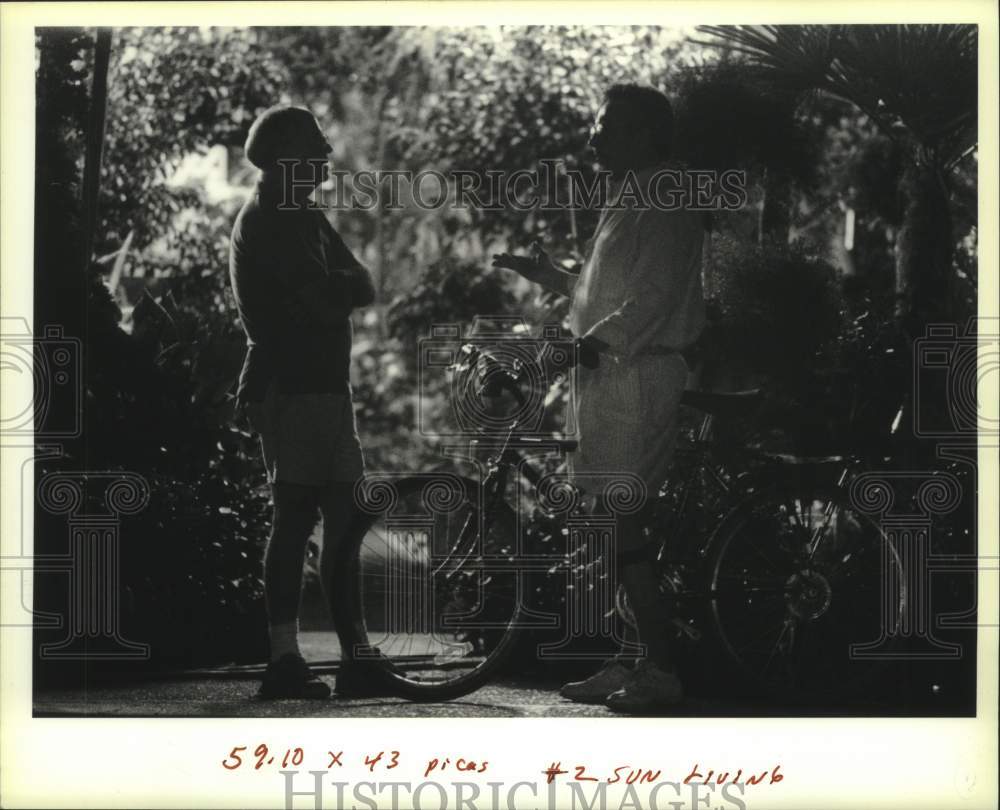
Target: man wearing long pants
[637,306]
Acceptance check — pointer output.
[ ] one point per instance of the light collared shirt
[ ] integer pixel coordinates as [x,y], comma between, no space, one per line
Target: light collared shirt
[640,288]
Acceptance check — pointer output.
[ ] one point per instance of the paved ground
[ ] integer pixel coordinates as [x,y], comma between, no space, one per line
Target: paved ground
[228,692]
[230,698]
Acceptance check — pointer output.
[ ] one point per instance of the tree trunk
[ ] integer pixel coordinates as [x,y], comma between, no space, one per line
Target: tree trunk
[380,219]
[775,214]
[924,284]
[95,141]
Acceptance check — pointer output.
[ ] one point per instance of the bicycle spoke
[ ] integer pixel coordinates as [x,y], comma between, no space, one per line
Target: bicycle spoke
[796,583]
[430,600]
[789,628]
[739,587]
[762,634]
[819,533]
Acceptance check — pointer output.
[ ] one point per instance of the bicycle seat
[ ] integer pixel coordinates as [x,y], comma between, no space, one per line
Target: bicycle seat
[522,442]
[730,403]
[566,445]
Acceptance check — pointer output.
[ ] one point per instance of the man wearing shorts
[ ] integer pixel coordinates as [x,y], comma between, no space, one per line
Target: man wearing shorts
[296,284]
[637,306]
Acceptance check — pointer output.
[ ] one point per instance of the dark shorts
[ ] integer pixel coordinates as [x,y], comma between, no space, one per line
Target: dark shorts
[309,439]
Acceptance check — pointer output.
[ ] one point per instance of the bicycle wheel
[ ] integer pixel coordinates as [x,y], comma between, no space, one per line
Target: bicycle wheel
[798,578]
[432,597]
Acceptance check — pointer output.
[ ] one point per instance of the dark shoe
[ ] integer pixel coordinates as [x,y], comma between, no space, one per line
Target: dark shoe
[360,680]
[290,677]
[650,688]
[595,689]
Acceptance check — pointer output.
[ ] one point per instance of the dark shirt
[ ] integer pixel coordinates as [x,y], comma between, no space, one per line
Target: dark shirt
[282,264]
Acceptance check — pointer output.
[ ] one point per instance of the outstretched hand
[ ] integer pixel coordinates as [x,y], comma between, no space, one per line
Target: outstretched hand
[532,267]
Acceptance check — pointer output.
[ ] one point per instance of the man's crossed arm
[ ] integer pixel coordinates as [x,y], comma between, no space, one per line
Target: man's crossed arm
[332,298]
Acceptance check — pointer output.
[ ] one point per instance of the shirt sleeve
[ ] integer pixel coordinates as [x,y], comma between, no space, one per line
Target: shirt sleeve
[654,279]
[339,256]
[258,286]
[339,259]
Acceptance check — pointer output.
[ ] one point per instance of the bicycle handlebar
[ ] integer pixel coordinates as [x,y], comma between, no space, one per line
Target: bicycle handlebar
[494,379]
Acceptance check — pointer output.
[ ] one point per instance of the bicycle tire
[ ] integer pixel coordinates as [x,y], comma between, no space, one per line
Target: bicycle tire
[408,647]
[844,593]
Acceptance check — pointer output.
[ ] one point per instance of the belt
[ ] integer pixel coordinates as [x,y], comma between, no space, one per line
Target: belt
[690,353]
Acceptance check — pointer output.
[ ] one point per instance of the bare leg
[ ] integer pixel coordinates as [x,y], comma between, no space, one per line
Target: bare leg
[295,516]
[339,520]
[638,575]
[630,641]
[655,682]
[642,594]
[295,513]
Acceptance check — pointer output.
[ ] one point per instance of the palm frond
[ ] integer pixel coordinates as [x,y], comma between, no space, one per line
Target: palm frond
[917,78]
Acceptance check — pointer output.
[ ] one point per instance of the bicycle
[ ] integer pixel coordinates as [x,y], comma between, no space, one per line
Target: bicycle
[437,585]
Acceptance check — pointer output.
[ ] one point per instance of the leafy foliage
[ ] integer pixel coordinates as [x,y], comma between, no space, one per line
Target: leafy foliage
[715,100]
[774,309]
[518,95]
[174,91]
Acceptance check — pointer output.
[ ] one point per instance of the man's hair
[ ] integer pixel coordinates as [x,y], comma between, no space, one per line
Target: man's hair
[646,107]
[270,134]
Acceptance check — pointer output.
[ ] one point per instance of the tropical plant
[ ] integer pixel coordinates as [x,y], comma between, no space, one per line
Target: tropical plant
[919,84]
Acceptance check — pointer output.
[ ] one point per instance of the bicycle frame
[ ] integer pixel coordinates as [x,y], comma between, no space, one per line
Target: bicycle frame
[757,468]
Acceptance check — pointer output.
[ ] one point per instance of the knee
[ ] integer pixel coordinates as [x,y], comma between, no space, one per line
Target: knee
[336,532]
[327,560]
[293,526]
[296,498]
[339,514]
[296,512]
[335,529]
